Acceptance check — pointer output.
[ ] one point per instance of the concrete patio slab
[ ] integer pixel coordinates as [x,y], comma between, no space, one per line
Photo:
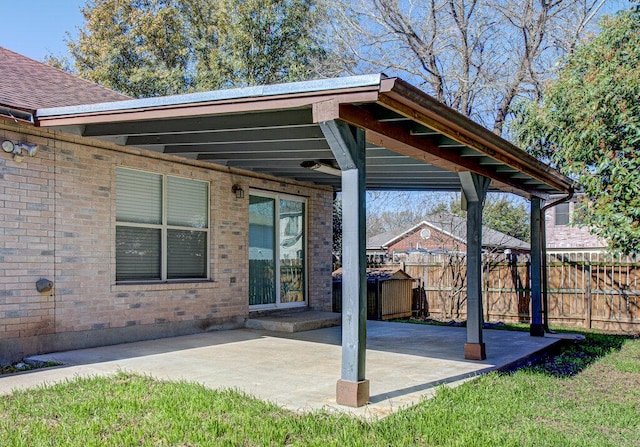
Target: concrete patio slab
[405,363]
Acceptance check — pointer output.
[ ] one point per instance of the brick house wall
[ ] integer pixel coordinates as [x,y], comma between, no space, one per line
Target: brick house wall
[437,240]
[569,237]
[58,222]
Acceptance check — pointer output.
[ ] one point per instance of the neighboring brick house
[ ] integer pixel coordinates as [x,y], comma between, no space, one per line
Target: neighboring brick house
[440,233]
[138,244]
[563,235]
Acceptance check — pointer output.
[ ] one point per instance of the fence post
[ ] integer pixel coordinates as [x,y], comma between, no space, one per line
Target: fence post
[379,298]
[588,297]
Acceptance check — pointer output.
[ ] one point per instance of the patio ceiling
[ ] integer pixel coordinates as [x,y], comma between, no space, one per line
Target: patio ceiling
[413,142]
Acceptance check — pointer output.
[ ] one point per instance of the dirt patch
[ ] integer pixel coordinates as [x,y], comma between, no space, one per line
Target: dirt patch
[19,367]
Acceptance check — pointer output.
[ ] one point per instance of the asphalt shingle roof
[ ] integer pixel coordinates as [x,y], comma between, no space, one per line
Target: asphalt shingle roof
[455,226]
[28,85]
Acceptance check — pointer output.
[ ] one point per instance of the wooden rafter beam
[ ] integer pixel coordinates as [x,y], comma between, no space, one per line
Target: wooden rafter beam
[408,101]
[394,136]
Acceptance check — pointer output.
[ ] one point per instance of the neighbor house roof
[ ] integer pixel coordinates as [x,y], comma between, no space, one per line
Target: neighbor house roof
[451,225]
[27,85]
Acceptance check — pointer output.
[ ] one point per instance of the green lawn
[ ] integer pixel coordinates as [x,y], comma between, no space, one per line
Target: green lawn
[588,395]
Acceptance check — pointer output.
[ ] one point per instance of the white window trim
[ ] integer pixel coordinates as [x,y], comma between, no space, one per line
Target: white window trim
[277,196]
[164,227]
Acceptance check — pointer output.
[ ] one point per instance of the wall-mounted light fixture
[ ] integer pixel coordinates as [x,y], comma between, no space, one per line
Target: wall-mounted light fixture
[238,191]
[321,167]
[17,149]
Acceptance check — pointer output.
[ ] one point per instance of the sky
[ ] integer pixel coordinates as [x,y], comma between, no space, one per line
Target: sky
[36,28]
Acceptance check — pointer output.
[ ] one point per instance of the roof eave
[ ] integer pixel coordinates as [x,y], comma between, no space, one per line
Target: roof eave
[456,126]
[250,99]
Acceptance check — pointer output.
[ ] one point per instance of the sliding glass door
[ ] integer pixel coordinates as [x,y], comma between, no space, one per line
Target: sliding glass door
[277,250]
[291,250]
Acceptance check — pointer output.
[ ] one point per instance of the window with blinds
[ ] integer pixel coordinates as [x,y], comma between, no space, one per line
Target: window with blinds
[162,227]
[562,214]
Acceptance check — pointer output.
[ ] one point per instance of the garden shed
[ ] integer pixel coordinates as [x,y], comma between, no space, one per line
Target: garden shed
[389,293]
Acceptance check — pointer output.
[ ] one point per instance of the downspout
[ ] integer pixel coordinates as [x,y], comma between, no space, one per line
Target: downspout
[545,279]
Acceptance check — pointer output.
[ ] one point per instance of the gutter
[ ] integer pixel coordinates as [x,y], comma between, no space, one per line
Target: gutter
[16,115]
[545,279]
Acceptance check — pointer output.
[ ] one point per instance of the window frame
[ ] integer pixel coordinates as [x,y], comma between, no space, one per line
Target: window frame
[164,228]
[277,196]
[558,214]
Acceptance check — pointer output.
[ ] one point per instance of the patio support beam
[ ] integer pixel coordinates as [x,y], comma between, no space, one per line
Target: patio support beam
[397,138]
[348,146]
[474,190]
[537,328]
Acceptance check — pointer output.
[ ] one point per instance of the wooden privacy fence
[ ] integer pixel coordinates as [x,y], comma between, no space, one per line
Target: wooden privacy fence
[602,291]
[585,289]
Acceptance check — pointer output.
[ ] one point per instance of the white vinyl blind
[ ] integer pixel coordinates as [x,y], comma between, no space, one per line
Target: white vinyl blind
[187,203]
[138,253]
[187,254]
[139,197]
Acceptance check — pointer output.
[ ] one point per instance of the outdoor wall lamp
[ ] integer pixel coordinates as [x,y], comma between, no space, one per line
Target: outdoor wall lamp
[17,149]
[238,191]
[321,167]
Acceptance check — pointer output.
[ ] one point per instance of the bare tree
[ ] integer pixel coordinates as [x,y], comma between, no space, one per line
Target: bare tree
[477,56]
[395,210]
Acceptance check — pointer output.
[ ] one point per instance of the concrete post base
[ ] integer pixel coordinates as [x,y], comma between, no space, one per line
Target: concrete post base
[536,330]
[474,351]
[352,394]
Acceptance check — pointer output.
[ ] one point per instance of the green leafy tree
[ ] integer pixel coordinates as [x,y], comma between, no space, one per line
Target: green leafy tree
[134,46]
[499,213]
[507,216]
[257,42]
[60,62]
[588,125]
[158,47]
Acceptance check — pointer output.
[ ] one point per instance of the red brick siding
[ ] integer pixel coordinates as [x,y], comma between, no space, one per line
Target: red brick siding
[568,236]
[437,240]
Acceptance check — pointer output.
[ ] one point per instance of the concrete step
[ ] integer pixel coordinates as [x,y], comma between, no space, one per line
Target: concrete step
[295,322]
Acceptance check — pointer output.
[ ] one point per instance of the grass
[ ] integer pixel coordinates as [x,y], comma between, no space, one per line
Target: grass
[594,403]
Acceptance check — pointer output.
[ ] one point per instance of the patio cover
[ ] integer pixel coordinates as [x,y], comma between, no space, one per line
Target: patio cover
[412,141]
[377,132]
